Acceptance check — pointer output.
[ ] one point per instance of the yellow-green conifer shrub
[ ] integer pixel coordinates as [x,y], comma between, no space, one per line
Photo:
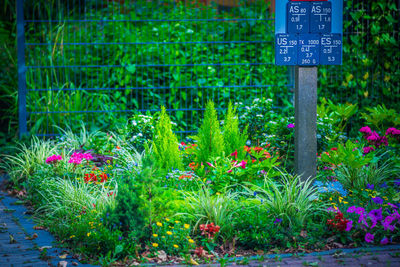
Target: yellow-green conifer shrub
[234,139]
[209,139]
[165,143]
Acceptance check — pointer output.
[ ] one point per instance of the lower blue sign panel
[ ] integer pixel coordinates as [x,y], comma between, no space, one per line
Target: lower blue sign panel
[286,49]
[331,49]
[308,49]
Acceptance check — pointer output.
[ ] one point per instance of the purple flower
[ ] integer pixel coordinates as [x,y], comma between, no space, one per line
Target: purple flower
[384,241]
[369,237]
[359,210]
[377,200]
[351,209]
[397,182]
[277,220]
[375,216]
[392,205]
[349,225]
[387,223]
[384,185]
[370,186]
[290,125]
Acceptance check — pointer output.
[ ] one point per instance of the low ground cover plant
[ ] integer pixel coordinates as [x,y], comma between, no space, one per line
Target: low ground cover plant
[227,190]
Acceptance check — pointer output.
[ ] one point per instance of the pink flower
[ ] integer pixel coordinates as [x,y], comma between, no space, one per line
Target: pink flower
[53,159]
[243,164]
[229,171]
[290,125]
[373,137]
[234,154]
[209,164]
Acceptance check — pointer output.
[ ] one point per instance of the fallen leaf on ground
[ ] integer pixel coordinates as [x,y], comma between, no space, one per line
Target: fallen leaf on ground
[36,227]
[162,255]
[64,256]
[62,264]
[35,235]
[74,263]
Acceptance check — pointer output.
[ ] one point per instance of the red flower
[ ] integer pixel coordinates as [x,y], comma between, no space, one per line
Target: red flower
[103,177]
[234,154]
[258,149]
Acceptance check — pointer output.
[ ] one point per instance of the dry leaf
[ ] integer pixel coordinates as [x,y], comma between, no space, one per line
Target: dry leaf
[35,235]
[44,247]
[62,264]
[193,262]
[162,255]
[39,227]
[64,256]
[74,263]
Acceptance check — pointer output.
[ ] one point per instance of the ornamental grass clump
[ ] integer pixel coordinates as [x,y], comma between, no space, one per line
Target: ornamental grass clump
[165,144]
[209,139]
[293,200]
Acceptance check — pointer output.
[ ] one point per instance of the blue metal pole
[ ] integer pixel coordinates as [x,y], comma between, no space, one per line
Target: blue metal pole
[22,115]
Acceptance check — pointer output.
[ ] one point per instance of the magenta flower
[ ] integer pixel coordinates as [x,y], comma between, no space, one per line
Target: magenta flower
[368,149]
[290,126]
[229,171]
[76,158]
[375,216]
[366,130]
[234,154]
[53,159]
[387,223]
[373,137]
[392,131]
[369,237]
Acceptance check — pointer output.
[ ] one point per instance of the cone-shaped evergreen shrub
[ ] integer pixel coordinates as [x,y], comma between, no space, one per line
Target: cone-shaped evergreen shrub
[210,139]
[234,140]
[165,143]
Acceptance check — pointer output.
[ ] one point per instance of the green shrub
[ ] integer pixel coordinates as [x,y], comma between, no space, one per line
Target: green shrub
[234,139]
[165,144]
[209,139]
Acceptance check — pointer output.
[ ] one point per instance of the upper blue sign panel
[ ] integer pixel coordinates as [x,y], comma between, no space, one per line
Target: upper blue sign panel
[336,14]
[320,17]
[298,17]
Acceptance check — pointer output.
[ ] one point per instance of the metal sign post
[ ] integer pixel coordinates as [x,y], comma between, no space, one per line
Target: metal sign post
[308,33]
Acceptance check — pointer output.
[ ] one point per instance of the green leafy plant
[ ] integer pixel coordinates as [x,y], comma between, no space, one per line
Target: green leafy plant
[209,139]
[220,209]
[165,144]
[381,117]
[234,139]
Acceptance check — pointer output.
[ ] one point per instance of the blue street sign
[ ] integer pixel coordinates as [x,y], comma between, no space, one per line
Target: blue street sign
[286,49]
[315,27]
[298,17]
[331,49]
[320,17]
[308,50]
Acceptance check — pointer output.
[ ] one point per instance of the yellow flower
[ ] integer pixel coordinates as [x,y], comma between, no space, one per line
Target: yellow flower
[169,233]
[88,234]
[72,236]
[167,219]
[186,226]
[345,202]
[155,245]
[191,241]
[177,221]
[218,193]
[176,246]
[159,224]
[155,235]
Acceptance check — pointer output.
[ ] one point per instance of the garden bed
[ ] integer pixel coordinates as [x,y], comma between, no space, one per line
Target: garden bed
[139,195]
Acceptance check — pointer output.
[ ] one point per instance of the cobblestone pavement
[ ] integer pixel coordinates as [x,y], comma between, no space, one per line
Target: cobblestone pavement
[18,248]
[20,243]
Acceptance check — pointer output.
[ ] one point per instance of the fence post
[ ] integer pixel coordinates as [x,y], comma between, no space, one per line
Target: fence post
[22,115]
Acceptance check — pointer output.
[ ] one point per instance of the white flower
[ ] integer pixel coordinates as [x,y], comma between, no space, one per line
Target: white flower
[140,134]
[134,123]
